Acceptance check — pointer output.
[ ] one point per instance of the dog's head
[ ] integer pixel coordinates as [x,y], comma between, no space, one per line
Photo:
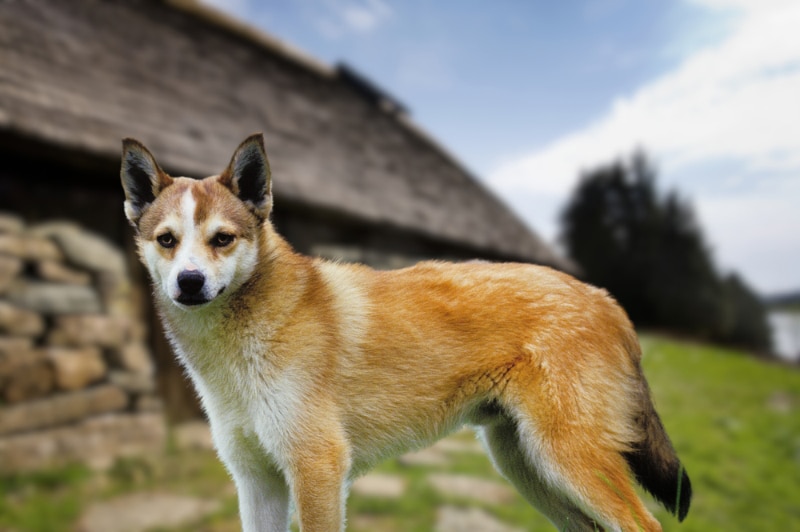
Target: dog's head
[199,239]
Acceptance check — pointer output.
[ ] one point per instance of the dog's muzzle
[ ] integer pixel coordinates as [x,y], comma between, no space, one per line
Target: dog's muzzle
[190,283]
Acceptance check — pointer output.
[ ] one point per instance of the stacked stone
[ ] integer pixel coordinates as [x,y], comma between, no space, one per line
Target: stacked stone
[76,376]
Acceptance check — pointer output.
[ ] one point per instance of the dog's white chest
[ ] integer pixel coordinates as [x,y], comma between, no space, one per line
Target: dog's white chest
[242,393]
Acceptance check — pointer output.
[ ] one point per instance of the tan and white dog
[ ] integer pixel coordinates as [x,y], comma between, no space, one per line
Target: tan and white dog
[311,371]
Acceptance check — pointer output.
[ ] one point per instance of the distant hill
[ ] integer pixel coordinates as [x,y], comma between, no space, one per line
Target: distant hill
[789,299]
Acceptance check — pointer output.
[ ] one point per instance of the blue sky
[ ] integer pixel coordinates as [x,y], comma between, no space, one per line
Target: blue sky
[526,93]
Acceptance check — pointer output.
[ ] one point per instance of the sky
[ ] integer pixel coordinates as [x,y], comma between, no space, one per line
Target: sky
[528,94]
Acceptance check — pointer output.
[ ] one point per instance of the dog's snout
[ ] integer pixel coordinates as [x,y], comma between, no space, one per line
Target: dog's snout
[191,282]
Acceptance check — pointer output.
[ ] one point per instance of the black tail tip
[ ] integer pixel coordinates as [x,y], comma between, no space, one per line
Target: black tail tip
[683,498]
[668,482]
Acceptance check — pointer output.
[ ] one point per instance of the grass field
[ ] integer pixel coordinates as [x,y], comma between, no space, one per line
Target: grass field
[734,420]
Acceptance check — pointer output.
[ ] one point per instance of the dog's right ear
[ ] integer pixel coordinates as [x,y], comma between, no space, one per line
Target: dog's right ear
[142,179]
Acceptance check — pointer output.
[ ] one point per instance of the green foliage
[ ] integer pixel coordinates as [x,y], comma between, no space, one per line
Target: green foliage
[743,320]
[649,252]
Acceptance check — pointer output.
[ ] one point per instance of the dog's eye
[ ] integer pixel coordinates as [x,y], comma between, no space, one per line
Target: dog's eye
[221,240]
[167,240]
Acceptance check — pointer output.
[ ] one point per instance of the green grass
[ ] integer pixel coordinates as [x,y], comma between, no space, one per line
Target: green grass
[43,500]
[734,420]
[416,510]
[54,500]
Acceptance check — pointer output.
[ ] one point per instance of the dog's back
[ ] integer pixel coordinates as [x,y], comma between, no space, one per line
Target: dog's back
[546,366]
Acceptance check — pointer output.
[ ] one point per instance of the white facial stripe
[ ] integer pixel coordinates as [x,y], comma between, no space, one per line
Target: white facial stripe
[188,207]
[185,258]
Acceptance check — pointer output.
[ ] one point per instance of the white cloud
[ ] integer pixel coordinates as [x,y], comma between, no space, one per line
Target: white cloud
[337,18]
[364,16]
[735,103]
[743,5]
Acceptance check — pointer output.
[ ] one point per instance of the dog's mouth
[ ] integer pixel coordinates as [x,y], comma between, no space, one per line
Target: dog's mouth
[193,300]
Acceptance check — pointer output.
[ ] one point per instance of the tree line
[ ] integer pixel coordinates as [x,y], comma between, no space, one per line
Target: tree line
[647,249]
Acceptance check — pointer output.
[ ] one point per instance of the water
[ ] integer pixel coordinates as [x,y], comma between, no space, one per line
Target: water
[786,333]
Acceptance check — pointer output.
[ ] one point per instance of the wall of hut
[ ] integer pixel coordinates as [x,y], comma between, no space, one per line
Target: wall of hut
[77,380]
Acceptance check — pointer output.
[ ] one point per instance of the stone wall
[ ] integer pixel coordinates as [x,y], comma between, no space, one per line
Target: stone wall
[77,379]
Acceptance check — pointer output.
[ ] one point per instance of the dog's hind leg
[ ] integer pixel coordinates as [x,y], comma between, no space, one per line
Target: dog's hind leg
[505,448]
[574,480]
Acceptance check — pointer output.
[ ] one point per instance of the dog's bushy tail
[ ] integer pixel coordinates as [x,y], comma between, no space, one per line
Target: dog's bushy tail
[655,462]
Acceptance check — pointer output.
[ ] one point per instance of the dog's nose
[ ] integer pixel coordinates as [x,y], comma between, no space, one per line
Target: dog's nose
[191,282]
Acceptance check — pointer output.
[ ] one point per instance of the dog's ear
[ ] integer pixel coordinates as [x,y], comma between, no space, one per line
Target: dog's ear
[142,179]
[248,176]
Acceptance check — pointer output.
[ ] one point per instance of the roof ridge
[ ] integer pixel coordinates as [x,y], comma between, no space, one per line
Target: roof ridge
[250,33]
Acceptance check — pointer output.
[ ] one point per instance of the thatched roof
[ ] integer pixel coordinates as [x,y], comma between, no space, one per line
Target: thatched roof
[191,83]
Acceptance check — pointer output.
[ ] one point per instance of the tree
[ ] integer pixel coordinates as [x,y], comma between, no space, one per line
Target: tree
[684,286]
[744,317]
[649,251]
[609,228]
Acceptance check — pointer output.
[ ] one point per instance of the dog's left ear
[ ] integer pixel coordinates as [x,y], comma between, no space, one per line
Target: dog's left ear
[142,179]
[248,175]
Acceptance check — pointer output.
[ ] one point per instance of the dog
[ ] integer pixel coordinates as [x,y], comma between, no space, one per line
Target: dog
[312,371]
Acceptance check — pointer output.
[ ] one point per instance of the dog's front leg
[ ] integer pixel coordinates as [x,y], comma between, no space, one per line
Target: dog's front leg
[263,502]
[261,487]
[320,470]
